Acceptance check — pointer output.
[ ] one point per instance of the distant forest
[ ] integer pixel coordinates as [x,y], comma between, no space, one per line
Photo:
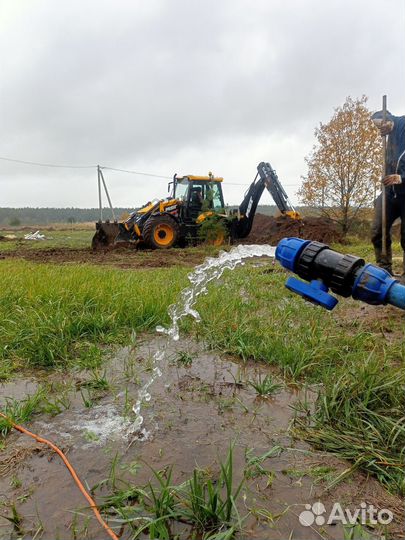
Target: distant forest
[44,216]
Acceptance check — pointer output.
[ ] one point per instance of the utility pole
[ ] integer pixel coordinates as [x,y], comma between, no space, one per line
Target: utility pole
[100,203]
[383,191]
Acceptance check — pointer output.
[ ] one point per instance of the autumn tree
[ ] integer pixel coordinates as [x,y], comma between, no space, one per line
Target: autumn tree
[344,166]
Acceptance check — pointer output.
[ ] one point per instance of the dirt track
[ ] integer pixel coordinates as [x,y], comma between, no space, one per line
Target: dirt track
[121,258]
[266,230]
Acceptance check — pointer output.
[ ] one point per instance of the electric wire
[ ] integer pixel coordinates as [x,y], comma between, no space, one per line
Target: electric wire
[53,165]
[105,167]
[155,175]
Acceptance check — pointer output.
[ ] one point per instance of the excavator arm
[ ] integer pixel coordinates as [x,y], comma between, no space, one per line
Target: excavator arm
[269,177]
[266,178]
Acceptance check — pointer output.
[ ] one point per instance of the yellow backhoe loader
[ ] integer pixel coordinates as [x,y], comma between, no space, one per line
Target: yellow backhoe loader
[178,219]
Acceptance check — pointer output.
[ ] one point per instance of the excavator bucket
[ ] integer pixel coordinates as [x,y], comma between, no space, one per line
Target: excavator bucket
[105,234]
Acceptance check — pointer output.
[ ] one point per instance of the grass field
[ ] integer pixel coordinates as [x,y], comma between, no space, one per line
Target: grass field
[63,317]
[56,238]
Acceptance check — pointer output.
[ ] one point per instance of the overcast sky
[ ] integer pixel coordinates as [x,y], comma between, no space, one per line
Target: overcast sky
[186,86]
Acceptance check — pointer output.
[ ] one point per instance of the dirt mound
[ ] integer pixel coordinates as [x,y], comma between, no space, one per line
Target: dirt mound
[270,230]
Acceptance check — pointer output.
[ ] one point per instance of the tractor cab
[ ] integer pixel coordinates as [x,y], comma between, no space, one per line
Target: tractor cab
[198,194]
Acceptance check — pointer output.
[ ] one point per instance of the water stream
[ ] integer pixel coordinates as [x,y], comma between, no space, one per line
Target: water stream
[211,269]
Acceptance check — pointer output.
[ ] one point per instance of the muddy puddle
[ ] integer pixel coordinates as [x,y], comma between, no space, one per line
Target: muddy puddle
[202,403]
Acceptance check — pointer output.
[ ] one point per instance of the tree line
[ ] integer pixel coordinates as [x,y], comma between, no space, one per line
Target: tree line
[44,216]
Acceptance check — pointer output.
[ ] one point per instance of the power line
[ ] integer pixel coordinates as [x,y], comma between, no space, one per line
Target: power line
[233,184]
[157,175]
[54,165]
[136,172]
[66,166]
[106,167]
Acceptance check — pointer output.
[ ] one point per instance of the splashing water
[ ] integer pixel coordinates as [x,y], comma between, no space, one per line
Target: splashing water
[211,269]
[144,394]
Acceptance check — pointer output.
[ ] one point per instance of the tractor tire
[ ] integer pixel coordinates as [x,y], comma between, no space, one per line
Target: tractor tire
[219,239]
[161,232]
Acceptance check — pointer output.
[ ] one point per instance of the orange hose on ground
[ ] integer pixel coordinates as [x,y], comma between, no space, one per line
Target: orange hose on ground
[92,503]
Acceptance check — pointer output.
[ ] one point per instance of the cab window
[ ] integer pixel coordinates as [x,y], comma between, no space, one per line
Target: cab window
[182,190]
[211,197]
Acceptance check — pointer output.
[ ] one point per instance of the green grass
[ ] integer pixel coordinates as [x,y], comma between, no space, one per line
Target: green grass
[16,519]
[364,249]
[265,386]
[254,464]
[271,324]
[184,358]
[53,315]
[348,358]
[360,416]
[206,505]
[21,411]
[211,505]
[48,398]
[76,238]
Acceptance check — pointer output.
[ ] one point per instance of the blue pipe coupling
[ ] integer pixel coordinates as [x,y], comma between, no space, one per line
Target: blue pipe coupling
[322,269]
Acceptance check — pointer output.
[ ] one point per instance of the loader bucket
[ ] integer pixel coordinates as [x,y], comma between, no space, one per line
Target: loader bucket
[124,236]
[105,234]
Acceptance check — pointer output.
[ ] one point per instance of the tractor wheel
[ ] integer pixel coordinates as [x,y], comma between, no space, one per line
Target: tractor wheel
[160,232]
[219,240]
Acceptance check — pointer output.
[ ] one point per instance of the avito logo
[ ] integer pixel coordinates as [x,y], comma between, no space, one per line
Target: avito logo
[366,514]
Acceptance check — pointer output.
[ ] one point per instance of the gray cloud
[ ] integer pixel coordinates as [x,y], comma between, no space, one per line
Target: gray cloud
[181,85]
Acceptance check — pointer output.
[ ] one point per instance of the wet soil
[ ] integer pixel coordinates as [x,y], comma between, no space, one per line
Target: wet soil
[266,230]
[270,230]
[196,411]
[386,321]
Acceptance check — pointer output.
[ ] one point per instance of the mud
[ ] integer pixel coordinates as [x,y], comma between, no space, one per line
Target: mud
[117,257]
[266,230]
[386,321]
[195,412]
